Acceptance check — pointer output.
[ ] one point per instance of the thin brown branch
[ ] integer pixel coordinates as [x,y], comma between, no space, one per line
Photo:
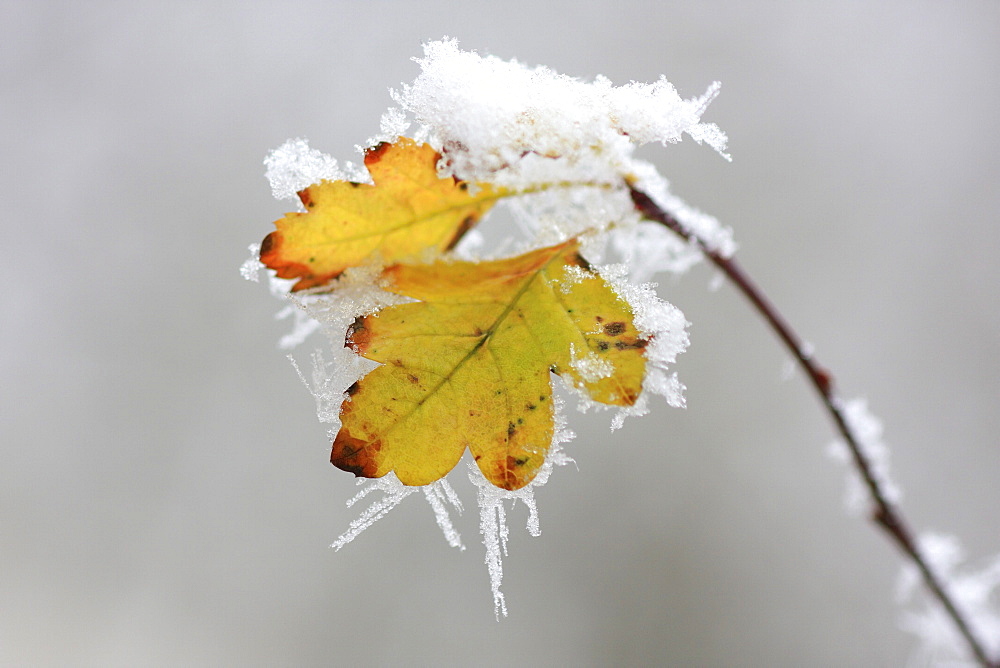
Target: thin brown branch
[885,513]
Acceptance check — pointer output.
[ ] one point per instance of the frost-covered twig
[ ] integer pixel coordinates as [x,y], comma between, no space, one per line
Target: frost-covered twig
[558,149]
[885,512]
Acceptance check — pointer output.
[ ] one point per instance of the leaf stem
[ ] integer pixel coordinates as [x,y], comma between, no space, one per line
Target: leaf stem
[885,514]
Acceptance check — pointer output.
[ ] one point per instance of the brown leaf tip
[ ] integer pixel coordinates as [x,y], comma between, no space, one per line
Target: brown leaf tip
[355,455]
[271,257]
[306,198]
[376,153]
[358,336]
[270,245]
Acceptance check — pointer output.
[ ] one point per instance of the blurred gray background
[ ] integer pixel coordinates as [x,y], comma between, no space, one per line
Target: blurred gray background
[165,494]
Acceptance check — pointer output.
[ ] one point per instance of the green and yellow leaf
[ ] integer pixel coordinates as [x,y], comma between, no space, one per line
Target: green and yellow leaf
[468,365]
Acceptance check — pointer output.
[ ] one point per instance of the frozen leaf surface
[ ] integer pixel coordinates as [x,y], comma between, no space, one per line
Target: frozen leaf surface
[468,365]
[408,211]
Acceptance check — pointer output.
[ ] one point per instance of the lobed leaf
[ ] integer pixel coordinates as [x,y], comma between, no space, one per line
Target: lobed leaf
[468,365]
[408,211]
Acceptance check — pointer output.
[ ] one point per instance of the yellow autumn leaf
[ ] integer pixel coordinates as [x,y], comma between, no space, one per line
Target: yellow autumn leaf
[468,365]
[407,211]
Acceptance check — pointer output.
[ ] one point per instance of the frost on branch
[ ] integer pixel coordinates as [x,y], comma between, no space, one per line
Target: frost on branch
[558,153]
[975,592]
[868,430]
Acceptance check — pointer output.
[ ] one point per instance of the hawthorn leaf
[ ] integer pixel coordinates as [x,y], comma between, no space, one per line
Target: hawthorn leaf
[408,211]
[467,366]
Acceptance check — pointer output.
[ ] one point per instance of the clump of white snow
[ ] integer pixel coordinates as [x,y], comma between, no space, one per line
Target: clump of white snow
[293,166]
[490,114]
[569,144]
[250,269]
[394,125]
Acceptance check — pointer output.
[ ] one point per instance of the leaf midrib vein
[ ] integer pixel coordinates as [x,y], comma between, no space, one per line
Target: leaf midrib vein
[485,337]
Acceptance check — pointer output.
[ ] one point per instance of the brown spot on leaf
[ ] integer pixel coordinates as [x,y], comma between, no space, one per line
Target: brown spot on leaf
[306,198]
[413,379]
[637,344]
[353,389]
[614,328]
[603,345]
[510,429]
